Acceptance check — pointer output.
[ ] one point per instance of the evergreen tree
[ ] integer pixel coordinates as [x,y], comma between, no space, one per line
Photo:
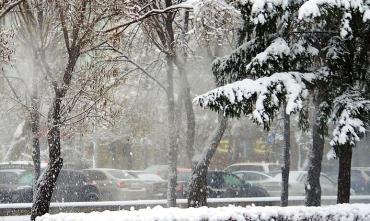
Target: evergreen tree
[293,46]
[343,30]
[277,61]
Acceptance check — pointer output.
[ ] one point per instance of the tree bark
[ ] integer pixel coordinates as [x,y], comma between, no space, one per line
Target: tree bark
[344,174]
[312,185]
[190,116]
[46,184]
[35,125]
[198,183]
[286,159]
[172,137]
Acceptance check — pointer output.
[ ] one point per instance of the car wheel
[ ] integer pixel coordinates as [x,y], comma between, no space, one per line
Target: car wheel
[91,197]
[257,191]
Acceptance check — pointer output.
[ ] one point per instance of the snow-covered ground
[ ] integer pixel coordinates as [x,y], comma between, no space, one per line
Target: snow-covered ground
[344,212]
[15,218]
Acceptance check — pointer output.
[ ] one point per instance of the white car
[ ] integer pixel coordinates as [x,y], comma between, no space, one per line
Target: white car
[155,186]
[114,184]
[258,167]
[297,181]
[251,176]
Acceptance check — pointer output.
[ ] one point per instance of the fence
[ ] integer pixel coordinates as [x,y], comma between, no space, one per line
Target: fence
[24,208]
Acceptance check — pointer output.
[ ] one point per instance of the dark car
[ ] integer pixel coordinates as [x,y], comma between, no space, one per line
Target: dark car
[223,185]
[72,186]
[15,186]
[360,180]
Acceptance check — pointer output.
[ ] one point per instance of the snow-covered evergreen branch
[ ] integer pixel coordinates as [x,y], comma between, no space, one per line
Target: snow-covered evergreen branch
[261,97]
[351,116]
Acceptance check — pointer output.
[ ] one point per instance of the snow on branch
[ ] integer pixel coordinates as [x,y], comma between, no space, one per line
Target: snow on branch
[261,97]
[351,115]
[263,10]
[315,8]
[255,59]
[232,67]
[278,49]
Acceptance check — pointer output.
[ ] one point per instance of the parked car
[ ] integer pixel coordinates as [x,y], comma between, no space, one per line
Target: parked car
[155,186]
[360,180]
[160,170]
[115,184]
[15,186]
[258,167]
[72,186]
[251,176]
[221,184]
[297,181]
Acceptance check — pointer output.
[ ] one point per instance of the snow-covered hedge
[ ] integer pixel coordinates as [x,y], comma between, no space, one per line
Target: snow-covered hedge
[350,212]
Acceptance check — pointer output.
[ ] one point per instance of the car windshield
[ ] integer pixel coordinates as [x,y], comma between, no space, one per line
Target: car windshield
[119,174]
[148,176]
[183,176]
[26,178]
[245,167]
[293,177]
[274,167]
[155,168]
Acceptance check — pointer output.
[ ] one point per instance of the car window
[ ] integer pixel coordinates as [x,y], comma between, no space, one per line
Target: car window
[69,178]
[356,176]
[26,178]
[232,180]
[325,181]
[274,167]
[367,173]
[252,177]
[7,177]
[95,175]
[215,180]
[119,174]
[248,176]
[183,176]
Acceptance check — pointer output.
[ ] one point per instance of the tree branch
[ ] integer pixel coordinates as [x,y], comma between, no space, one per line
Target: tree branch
[10,7]
[149,14]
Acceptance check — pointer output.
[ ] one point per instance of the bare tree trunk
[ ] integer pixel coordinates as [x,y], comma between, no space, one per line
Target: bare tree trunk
[198,182]
[312,186]
[190,117]
[46,184]
[35,127]
[344,174]
[172,151]
[286,159]
[35,124]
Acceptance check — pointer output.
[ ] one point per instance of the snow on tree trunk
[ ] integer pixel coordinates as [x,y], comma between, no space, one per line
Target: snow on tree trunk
[198,182]
[344,174]
[312,185]
[172,137]
[45,185]
[286,161]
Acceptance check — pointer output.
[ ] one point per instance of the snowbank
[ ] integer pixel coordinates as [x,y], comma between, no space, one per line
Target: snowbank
[344,212]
